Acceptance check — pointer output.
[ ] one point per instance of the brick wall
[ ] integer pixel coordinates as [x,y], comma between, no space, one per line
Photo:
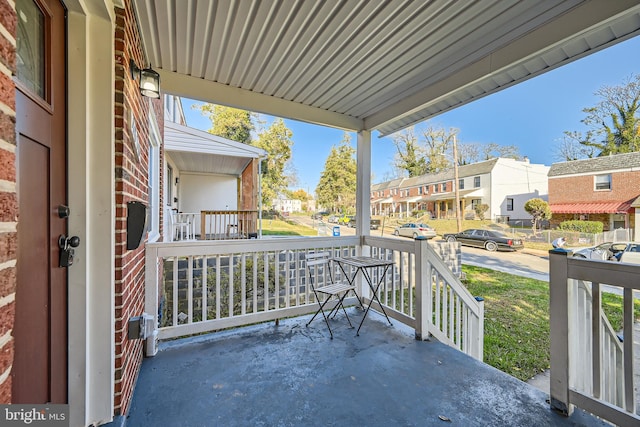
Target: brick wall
[624,186]
[8,199]
[132,172]
[249,192]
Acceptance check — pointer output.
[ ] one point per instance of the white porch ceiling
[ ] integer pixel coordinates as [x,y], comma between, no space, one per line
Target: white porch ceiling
[368,65]
[193,150]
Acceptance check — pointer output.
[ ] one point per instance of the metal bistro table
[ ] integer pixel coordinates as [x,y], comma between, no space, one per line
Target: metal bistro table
[364,264]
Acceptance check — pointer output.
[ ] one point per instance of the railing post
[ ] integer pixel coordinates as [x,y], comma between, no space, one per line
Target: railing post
[151,298]
[423,290]
[362,289]
[478,350]
[559,328]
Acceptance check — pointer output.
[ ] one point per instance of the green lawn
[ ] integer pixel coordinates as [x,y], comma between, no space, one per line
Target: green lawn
[516,319]
[275,227]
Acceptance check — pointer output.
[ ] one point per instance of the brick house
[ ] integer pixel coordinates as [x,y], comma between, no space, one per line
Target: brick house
[504,185]
[78,114]
[604,189]
[79,144]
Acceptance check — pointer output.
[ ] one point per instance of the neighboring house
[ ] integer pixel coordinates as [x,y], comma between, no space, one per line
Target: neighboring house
[505,185]
[287,205]
[605,189]
[205,172]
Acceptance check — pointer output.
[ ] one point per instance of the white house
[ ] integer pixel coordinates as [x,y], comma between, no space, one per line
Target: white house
[503,184]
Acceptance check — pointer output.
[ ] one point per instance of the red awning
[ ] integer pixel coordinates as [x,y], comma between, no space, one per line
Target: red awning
[591,207]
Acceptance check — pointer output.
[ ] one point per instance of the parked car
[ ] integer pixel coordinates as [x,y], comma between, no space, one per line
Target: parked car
[608,251]
[489,239]
[344,220]
[414,230]
[374,224]
[333,219]
[316,215]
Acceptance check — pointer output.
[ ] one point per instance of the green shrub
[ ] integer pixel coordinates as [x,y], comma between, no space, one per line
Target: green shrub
[592,227]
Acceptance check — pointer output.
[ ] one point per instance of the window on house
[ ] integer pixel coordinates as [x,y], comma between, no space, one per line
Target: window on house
[153,209]
[476,182]
[509,204]
[435,188]
[169,185]
[443,187]
[419,190]
[461,184]
[603,182]
[474,203]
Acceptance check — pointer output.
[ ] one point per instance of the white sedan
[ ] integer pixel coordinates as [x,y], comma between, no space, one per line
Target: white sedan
[415,230]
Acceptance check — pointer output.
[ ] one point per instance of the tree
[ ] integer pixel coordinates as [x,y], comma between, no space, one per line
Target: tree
[410,156]
[337,186]
[481,209]
[539,210]
[439,142]
[303,196]
[613,123]
[228,122]
[276,141]
[492,150]
[571,149]
[432,151]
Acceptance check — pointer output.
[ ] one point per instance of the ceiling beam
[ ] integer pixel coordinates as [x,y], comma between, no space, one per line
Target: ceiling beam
[216,93]
[583,18]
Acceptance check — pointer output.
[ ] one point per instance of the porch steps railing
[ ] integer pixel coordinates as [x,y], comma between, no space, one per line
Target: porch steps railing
[228,224]
[203,286]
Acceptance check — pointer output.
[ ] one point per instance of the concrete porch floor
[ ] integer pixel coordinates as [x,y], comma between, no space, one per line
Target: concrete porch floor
[291,375]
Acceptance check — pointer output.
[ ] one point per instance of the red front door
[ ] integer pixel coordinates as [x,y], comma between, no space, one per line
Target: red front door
[39,373]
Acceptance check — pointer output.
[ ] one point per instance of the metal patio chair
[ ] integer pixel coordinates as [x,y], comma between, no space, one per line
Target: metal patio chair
[325,290]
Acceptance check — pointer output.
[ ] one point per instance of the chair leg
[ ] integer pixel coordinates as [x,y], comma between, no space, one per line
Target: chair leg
[326,320]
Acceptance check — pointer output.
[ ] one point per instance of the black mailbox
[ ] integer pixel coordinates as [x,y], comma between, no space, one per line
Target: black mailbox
[136,223]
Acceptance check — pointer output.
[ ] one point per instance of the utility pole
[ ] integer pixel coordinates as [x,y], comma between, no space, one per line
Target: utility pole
[456,182]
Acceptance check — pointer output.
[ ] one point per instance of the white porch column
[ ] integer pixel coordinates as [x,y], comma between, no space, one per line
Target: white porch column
[91,74]
[363,183]
[363,201]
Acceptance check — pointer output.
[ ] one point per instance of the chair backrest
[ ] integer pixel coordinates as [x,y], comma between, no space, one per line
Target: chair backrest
[319,268]
[170,218]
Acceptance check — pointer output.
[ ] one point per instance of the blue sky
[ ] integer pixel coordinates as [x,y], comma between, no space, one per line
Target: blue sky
[532,115]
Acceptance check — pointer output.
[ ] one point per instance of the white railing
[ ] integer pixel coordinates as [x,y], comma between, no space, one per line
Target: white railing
[590,368]
[203,286]
[227,224]
[448,312]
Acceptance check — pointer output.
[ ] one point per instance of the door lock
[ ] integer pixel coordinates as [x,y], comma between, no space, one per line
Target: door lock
[66,249]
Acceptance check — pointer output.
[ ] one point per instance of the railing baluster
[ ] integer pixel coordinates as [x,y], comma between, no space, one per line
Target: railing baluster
[176,260]
[243,284]
[190,289]
[256,287]
[231,285]
[596,341]
[628,316]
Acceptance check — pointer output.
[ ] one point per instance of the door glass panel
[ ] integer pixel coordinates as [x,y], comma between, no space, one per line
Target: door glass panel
[30,59]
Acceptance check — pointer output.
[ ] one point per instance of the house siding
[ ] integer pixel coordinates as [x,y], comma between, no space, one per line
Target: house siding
[511,179]
[8,195]
[131,184]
